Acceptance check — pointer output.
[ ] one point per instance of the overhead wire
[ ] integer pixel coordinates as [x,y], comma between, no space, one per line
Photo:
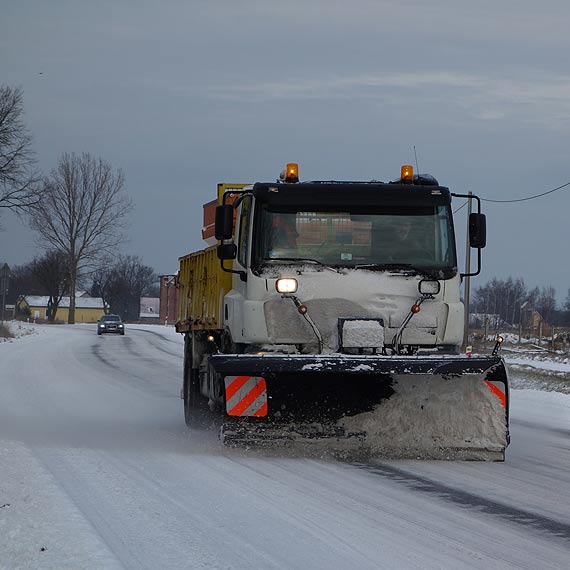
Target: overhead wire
[517,199]
[528,197]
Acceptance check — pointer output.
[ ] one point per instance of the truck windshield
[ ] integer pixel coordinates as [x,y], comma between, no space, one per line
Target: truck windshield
[379,237]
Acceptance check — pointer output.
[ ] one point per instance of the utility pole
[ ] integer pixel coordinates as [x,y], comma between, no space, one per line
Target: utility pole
[167,303]
[4,281]
[467,282]
[521,319]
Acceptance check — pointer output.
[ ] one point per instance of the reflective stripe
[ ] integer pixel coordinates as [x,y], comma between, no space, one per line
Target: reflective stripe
[246,396]
[497,392]
[236,384]
[262,411]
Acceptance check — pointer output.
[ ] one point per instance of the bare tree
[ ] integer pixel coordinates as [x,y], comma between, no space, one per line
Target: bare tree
[19,180]
[127,282]
[546,303]
[500,301]
[52,273]
[23,282]
[102,280]
[567,301]
[82,213]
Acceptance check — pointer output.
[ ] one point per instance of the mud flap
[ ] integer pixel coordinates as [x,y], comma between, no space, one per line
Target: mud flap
[245,396]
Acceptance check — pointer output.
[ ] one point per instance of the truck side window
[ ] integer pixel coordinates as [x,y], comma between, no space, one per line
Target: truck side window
[244,223]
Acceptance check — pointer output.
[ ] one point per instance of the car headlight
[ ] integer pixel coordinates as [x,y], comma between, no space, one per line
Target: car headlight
[121,326]
[102,326]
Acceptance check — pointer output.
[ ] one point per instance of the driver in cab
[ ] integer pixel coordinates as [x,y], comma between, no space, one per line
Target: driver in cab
[283,231]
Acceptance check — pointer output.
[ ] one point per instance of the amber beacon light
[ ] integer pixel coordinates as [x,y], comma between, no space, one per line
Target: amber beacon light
[407,173]
[292,172]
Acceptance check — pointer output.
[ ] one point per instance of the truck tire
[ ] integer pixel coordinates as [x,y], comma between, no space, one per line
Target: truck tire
[195,405]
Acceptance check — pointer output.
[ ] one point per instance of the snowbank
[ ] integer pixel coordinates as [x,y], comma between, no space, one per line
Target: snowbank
[18,330]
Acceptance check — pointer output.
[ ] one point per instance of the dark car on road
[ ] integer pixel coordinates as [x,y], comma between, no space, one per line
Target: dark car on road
[110,324]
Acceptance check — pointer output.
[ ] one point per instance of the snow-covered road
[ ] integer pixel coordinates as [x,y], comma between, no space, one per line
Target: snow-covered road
[98,471]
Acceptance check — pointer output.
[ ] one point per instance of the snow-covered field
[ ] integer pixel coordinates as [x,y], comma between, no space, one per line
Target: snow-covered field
[98,471]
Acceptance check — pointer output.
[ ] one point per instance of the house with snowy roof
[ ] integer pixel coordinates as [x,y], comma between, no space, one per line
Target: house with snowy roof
[87,309]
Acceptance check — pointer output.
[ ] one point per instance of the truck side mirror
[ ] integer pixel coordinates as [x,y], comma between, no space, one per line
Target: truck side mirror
[477,230]
[224,223]
[227,251]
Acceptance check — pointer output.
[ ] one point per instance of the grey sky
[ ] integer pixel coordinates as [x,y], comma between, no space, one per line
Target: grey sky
[184,94]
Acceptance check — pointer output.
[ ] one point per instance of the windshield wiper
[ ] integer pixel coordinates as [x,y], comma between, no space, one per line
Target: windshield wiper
[304,260]
[384,266]
[397,267]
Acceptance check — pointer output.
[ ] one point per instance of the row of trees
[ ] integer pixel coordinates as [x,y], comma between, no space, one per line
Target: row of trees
[120,285]
[78,211]
[510,298]
[46,275]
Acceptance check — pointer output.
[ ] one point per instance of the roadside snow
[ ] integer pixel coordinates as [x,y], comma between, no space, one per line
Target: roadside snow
[546,408]
[19,330]
[541,363]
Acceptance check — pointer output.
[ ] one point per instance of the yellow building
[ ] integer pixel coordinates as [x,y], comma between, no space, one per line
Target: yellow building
[87,309]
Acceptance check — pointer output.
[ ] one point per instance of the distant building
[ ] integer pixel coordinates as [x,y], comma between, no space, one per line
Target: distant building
[150,309]
[534,323]
[168,299]
[87,309]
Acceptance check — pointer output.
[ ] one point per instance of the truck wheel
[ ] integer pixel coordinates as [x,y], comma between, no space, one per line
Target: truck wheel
[195,405]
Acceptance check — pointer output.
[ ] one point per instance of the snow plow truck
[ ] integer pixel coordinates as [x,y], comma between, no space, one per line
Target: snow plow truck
[329,313]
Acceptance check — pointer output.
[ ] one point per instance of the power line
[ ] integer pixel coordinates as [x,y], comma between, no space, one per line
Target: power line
[528,198]
[517,199]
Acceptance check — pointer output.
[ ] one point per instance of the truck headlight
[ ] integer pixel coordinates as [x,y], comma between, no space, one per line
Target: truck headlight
[286,285]
[429,287]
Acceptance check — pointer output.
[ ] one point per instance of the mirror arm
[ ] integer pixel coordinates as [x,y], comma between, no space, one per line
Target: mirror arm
[473,274]
[242,274]
[242,194]
[470,197]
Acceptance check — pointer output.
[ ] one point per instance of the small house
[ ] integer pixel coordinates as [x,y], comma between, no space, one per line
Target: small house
[87,309]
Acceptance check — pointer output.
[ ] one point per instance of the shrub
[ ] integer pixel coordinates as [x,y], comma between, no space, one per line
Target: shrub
[5,332]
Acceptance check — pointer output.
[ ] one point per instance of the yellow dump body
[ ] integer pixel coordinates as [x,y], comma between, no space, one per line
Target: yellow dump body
[201,282]
[201,288]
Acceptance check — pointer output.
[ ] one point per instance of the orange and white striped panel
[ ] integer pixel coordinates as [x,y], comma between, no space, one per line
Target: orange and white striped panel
[246,396]
[497,389]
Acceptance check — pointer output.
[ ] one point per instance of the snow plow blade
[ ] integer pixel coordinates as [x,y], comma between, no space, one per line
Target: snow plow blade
[269,434]
[429,407]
